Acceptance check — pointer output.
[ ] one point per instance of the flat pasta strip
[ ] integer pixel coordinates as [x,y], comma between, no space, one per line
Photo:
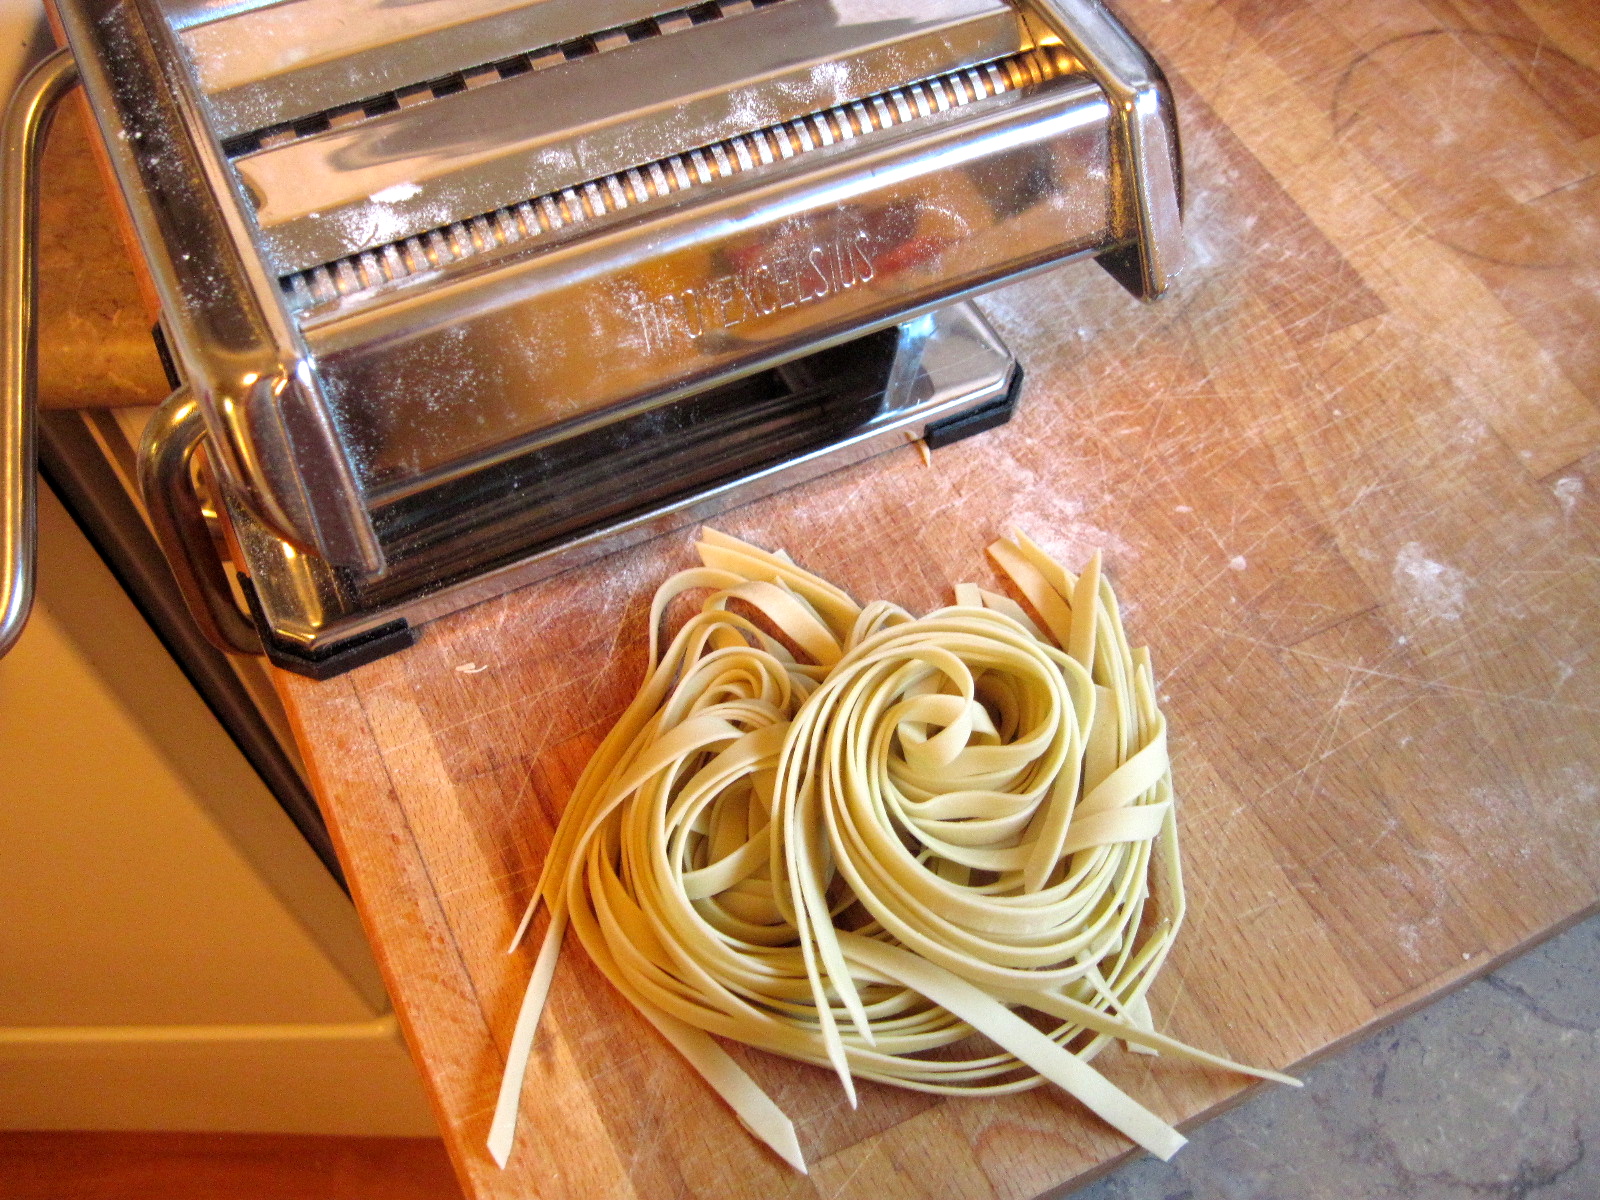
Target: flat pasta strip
[856,838]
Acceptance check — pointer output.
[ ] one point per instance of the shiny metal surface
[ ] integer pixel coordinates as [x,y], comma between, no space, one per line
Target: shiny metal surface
[240,353]
[761,268]
[182,14]
[1149,179]
[271,64]
[558,216]
[466,292]
[378,181]
[27,119]
[948,363]
[166,457]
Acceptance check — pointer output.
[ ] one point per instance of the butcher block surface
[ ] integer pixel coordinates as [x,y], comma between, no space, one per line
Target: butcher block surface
[1346,479]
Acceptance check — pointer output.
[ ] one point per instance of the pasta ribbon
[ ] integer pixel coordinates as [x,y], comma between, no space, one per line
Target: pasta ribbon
[857,838]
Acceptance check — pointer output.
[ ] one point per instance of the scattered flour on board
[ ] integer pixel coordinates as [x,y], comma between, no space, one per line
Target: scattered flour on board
[1055,521]
[1428,589]
[1566,800]
[1567,491]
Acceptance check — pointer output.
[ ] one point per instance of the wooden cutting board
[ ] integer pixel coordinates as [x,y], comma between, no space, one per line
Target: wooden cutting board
[1346,479]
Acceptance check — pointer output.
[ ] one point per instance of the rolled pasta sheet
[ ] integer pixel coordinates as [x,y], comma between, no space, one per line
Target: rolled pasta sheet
[857,838]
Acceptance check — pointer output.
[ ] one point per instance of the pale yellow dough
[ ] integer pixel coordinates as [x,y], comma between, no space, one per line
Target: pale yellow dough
[850,836]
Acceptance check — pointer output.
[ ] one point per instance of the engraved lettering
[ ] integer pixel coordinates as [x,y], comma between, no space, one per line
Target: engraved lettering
[833,264]
[644,316]
[694,320]
[728,294]
[738,308]
[717,303]
[867,271]
[818,261]
[792,276]
[740,302]
[788,284]
[760,295]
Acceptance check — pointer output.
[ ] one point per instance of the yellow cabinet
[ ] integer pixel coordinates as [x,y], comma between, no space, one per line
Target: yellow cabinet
[172,953]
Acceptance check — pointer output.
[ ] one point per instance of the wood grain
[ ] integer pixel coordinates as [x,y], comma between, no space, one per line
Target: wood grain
[1346,480]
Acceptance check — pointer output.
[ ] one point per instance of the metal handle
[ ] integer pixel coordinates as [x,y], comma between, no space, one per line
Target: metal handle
[170,440]
[21,144]
[174,434]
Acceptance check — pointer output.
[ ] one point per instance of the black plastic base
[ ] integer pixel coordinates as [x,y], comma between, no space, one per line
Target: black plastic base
[334,660]
[996,413]
[563,505]
[344,656]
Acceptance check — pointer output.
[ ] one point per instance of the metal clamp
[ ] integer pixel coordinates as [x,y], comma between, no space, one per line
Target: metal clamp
[27,120]
[166,455]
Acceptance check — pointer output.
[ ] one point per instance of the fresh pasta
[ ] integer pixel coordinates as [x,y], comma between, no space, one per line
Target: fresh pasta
[857,838]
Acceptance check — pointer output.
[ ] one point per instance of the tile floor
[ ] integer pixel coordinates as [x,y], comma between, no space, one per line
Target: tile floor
[1491,1093]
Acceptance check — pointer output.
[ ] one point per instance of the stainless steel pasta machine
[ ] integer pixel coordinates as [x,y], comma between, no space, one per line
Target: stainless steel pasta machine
[462,292]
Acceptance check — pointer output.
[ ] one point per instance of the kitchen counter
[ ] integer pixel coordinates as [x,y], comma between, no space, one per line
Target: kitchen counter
[1345,477]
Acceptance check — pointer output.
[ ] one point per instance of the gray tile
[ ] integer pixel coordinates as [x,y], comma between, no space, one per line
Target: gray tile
[1492,1092]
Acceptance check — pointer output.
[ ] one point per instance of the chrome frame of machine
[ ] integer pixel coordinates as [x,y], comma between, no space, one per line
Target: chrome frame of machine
[474,293]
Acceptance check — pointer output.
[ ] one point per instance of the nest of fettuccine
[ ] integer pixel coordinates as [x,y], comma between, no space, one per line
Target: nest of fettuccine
[917,850]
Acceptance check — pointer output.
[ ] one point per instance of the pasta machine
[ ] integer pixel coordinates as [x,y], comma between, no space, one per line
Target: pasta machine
[459,293]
